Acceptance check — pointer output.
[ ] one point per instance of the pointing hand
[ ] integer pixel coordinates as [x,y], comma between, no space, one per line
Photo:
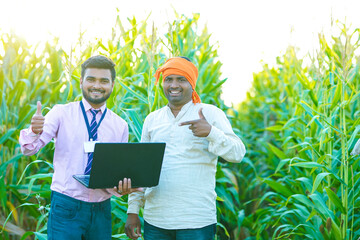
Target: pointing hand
[200,127]
[37,121]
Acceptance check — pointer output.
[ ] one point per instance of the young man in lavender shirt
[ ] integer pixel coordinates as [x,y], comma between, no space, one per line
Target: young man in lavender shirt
[78,212]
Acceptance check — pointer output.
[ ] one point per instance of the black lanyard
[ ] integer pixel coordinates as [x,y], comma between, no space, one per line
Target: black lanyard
[87,121]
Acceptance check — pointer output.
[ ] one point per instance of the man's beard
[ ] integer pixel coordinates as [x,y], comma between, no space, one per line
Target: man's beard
[95,100]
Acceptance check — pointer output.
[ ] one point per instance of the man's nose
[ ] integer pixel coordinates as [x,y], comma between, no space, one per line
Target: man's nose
[174,84]
[97,84]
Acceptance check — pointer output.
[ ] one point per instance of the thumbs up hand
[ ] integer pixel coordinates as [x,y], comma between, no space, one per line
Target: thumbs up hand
[37,121]
[200,127]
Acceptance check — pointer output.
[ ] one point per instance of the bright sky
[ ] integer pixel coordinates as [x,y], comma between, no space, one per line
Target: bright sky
[248,32]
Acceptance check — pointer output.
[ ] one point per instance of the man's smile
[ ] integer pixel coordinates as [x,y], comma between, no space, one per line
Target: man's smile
[96,92]
[175,92]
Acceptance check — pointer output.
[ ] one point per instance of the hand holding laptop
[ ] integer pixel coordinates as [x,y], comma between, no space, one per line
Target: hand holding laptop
[125,187]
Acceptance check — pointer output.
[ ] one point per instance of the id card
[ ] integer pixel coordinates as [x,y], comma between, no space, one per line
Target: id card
[89,146]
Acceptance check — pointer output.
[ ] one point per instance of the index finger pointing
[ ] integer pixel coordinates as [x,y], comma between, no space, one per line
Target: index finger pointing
[187,123]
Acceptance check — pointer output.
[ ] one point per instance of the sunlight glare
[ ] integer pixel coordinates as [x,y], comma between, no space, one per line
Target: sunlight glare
[248,33]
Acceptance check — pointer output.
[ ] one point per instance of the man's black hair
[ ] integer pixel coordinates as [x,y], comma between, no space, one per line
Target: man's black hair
[101,62]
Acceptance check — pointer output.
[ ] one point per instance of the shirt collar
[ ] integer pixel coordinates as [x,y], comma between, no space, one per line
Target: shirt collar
[187,106]
[183,109]
[87,106]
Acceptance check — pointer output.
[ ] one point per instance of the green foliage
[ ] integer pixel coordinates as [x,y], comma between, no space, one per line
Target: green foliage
[51,74]
[300,122]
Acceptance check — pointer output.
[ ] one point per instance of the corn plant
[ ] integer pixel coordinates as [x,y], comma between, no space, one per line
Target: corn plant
[48,73]
[306,121]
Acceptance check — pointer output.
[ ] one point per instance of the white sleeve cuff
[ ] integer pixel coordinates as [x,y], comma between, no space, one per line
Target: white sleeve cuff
[215,134]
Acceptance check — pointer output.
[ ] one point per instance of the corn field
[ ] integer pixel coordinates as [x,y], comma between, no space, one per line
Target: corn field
[299,123]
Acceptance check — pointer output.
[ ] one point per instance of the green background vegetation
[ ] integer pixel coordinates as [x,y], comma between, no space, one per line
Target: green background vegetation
[299,122]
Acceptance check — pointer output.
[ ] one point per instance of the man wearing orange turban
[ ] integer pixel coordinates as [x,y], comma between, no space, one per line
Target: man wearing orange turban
[183,205]
[180,66]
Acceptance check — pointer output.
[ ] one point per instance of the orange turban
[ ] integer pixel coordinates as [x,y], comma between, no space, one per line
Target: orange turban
[182,67]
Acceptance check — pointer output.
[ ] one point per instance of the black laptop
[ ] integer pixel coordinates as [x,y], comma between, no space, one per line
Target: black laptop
[113,162]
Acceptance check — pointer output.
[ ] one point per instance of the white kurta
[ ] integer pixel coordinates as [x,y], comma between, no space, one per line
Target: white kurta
[185,197]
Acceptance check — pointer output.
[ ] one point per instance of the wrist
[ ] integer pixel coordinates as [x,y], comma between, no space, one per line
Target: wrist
[132,214]
[34,134]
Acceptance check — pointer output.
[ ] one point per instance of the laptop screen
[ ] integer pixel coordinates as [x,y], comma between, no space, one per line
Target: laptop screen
[112,162]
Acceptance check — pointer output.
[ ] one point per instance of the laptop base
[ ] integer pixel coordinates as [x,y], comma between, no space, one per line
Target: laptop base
[83,179]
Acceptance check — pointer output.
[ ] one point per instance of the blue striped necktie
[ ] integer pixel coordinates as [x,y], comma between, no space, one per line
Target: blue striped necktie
[93,131]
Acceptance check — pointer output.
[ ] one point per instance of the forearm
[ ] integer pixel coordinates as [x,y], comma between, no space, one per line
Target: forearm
[228,146]
[30,142]
[136,201]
